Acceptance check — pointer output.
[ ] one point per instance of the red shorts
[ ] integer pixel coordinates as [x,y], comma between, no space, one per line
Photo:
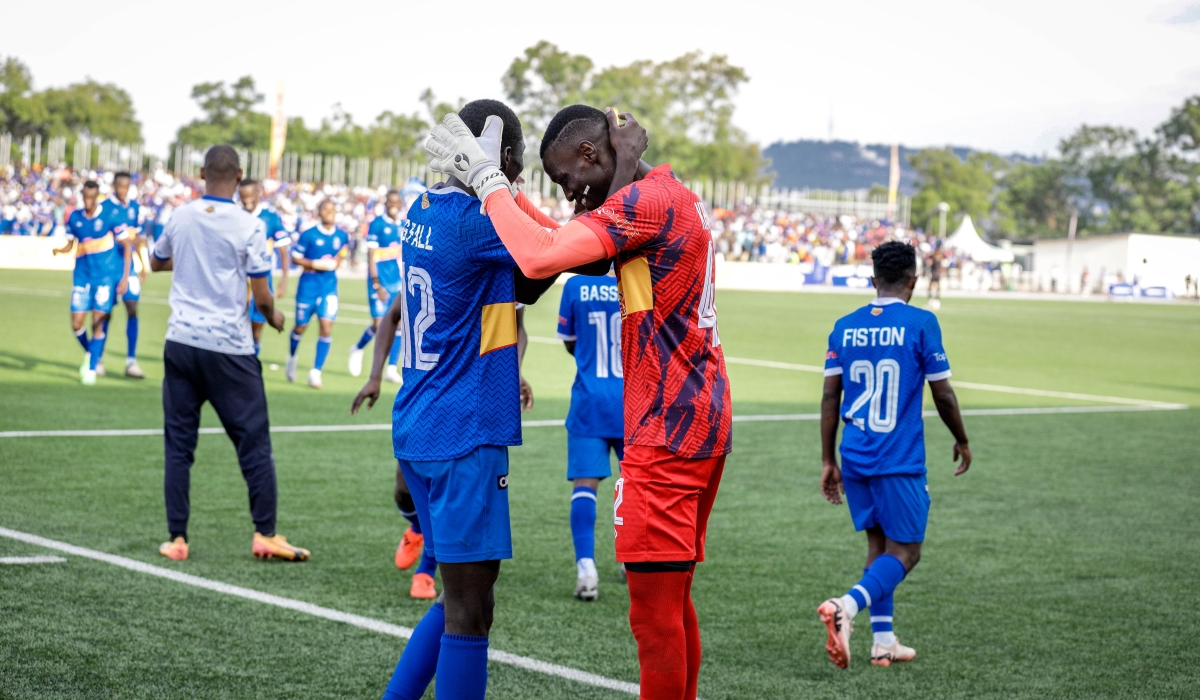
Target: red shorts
[662,503]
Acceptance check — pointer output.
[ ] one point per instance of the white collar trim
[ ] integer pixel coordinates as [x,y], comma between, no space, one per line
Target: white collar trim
[885,301]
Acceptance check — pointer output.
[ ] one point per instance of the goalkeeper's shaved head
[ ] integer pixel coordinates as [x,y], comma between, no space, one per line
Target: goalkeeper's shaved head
[577,155]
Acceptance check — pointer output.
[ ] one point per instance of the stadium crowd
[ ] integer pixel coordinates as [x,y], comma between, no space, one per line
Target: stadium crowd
[37,204]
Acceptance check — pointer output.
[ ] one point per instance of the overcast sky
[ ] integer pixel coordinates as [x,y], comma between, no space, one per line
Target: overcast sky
[1015,75]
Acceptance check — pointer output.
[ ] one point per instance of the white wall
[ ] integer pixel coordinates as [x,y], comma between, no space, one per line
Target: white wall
[34,253]
[1168,260]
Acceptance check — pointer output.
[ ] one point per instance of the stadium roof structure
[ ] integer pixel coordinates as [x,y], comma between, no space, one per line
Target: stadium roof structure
[966,240]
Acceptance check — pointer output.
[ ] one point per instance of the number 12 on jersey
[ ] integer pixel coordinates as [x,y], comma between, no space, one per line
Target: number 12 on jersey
[416,281]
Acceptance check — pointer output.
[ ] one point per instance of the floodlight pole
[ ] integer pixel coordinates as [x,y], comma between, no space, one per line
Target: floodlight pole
[1070,244]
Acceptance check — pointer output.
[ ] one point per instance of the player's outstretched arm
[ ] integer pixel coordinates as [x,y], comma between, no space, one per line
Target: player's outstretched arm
[947,407]
[70,244]
[831,474]
[383,347]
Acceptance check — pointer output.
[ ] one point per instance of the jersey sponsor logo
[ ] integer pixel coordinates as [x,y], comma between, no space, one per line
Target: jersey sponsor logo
[502,482]
[498,327]
[873,337]
[617,220]
[634,288]
[831,355]
[877,311]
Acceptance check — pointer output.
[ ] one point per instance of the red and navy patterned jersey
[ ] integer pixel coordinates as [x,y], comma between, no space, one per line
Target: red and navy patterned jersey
[676,388]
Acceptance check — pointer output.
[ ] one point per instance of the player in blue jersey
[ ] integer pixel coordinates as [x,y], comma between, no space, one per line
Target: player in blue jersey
[125,216]
[589,324]
[457,411]
[101,273]
[250,193]
[383,280]
[319,250]
[883,354]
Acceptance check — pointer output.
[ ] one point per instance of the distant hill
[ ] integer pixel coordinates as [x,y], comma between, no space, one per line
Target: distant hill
[845,165]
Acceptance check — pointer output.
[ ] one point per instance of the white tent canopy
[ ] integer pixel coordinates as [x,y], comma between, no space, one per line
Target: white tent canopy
[967,241]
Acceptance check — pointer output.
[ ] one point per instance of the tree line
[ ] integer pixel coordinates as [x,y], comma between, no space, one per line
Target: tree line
[1110,177]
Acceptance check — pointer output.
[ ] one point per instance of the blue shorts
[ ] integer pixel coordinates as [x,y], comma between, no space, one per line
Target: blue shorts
[587,457]
[92,295]
[317,295]
[899,504]
[378,308]
[256,317]
[463,505]
[133,292]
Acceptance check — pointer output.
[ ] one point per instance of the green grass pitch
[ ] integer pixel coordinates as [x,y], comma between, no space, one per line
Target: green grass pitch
[1064,564]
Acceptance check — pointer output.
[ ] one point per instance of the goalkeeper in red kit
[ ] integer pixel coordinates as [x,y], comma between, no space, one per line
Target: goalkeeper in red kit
[677,406]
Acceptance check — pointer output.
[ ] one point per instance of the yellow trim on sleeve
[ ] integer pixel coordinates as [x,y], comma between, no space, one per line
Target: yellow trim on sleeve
[634,287]
[499,327]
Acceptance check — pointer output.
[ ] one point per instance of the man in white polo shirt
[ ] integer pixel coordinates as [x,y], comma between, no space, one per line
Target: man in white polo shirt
[214,247]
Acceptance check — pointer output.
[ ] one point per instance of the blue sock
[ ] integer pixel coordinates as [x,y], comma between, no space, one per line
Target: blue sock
[420,658]
[462,667]
[131,335]
[881,614]
[412,519]
[428,564]
[878,582]
[394,358]
[96,348]
[583,522]
[81,336]
[257,347]
[322,351]
[295,343]
[367,336]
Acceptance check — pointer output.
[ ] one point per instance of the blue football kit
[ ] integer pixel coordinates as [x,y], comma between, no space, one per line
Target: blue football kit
[99,261]
[589,314]
[316,292]
[277,235]
[383,242]
[125,219]
[458,408]
[885,352]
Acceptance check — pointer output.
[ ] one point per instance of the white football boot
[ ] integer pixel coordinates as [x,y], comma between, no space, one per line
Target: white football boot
[314,378]
[887,655]
[587,583]
[356,359]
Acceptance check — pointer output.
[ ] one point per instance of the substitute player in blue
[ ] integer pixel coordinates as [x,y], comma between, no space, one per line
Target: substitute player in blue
[278,237]
[883,354]
[383,280]
[319,250]
[589,324]
[124,214]
[457,411]
[101,273]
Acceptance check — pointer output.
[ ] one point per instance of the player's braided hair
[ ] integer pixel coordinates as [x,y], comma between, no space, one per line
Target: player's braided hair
[576,119]
[474,115]
[895,261]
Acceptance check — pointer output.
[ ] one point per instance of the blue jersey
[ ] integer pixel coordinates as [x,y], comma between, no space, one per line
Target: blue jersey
[590,315]
[885,352]
[317,243]
[461,384]
[125,218]
[277,233]
[98,252]
[383,242]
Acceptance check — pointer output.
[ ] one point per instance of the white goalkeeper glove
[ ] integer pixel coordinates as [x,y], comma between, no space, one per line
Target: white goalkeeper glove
[454,150]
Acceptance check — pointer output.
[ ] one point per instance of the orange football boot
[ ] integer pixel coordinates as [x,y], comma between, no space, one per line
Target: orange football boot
[176,549]
[422,587]
[838,627]
[409,550]
[277,546]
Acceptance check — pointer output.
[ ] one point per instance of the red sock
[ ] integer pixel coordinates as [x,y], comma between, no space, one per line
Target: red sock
[691,630]
[656,616]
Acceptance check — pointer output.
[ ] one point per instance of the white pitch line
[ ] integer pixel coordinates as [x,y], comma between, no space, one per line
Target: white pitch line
[366,623]
[31,560]
[771,417]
